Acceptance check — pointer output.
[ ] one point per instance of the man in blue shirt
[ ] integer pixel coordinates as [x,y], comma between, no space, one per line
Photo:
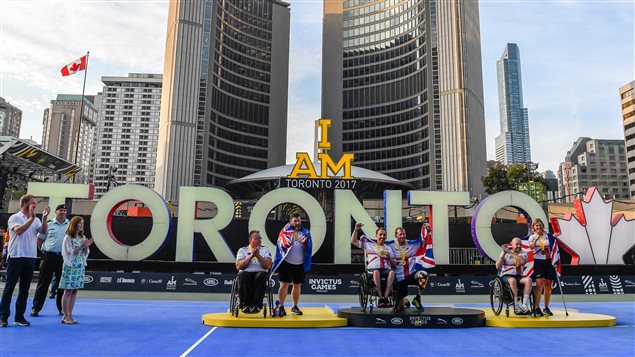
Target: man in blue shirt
[52,261]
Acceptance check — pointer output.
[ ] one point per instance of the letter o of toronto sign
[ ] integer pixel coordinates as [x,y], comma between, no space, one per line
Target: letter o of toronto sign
[101,223]
[482,219]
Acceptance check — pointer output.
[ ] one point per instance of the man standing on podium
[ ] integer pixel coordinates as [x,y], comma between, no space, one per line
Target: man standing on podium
[293,260]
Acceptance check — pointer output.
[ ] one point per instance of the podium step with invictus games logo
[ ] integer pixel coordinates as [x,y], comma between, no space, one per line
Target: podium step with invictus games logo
[430,317]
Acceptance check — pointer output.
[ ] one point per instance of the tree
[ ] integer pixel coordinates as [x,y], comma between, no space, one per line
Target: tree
[502,178]
[496,180]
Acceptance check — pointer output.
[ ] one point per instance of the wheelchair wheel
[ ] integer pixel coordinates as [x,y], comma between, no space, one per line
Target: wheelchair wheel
[363,292]
[269,295]
[234,304]
[496,295]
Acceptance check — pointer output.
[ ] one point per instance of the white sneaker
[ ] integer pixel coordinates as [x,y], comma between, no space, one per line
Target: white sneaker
[518,310]
[526,309]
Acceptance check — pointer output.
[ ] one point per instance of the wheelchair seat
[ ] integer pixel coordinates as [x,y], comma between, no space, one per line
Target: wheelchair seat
[368,295]
[501,294]
[235,304]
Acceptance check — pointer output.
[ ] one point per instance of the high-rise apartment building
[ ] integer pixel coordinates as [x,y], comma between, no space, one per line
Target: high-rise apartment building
[512,145]
[128,131]
[225,84]
[389,67]
[10,119]
[594,162]
[627,99]
[68,136]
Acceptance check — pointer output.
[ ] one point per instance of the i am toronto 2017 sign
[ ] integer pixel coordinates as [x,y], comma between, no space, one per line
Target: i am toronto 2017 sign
[590,238]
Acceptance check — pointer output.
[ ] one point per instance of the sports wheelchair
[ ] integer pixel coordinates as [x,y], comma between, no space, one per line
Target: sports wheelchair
[501,294]
[234,303]
[367,293]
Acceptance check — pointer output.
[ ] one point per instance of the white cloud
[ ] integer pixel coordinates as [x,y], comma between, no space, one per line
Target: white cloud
[39,37]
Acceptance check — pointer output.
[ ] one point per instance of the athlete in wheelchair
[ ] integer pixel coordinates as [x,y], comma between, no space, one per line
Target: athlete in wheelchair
[415,258]
[248,291]
[379,265]
[506,286]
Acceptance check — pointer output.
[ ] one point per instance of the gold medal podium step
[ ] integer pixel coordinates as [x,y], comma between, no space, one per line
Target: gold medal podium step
[312,317]
[559,319]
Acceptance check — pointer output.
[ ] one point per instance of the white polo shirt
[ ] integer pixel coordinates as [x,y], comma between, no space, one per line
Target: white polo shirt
[23,245]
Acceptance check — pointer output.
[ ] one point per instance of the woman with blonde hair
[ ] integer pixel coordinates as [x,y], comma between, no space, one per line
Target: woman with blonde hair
[75,252]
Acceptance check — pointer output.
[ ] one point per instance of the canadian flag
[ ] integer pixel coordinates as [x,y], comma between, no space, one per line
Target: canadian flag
[77,65]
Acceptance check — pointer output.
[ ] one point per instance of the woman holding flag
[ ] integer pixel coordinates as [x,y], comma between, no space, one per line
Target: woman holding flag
[293,260]
[546,258]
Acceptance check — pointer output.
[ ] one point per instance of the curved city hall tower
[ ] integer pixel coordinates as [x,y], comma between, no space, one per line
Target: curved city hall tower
[391,102]
[224,113]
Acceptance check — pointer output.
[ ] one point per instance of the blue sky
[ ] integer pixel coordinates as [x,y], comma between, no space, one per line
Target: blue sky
[575,55]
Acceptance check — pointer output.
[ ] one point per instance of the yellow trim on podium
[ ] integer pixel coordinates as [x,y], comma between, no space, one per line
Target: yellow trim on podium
[559,319]
[313,317]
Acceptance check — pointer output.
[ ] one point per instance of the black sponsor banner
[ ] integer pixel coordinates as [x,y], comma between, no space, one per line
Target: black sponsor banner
[339,284]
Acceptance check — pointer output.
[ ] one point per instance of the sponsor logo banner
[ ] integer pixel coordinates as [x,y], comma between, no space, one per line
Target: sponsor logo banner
[341,285]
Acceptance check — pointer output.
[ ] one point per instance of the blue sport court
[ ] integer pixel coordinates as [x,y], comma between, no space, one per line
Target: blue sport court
[173,328]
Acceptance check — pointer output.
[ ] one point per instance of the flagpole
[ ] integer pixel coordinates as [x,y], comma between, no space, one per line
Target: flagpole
[81,113]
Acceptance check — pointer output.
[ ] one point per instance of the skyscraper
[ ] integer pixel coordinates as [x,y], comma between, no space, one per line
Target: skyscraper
[389,67]
[126,144]
[10,119]
[512,145]
[62,123]
[627,99]
[224,107]
[464,157]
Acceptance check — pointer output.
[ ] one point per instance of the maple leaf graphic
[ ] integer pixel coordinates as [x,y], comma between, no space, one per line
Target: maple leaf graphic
[592,236]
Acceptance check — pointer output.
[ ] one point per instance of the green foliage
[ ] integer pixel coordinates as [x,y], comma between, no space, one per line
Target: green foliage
[502,178]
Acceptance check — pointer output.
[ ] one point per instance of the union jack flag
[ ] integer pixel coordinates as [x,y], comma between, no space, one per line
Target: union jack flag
[554,253]
[286,238]
[424,256]
[528,268]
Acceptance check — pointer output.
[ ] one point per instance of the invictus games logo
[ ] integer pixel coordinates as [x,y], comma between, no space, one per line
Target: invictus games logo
[324,285]
[593,236]
[604,287]
[418,321]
